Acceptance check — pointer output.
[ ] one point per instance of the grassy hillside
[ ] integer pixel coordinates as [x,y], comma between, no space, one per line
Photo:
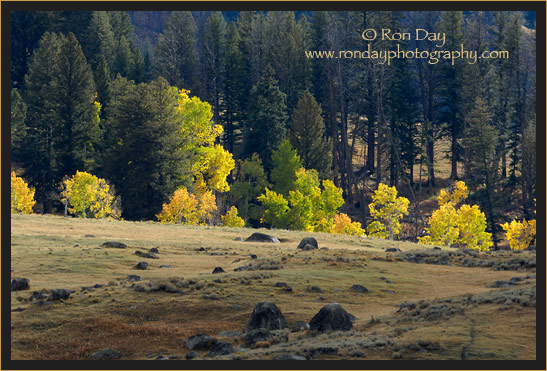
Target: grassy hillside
[457,314]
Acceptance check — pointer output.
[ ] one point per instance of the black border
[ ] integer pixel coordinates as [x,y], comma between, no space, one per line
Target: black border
[7,6]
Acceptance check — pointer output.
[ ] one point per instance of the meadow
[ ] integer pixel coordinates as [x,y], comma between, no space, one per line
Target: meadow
[466,304]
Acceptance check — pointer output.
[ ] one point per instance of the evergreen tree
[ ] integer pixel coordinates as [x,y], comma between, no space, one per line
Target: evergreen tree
[213,49]
[144,158]
[307,135]
[450,85]
[176,54]
[267,118]
[18,115]
[61,115]
[482,162]
[98,41]
[233,87]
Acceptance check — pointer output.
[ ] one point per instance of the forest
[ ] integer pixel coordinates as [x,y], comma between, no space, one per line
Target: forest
[221,118]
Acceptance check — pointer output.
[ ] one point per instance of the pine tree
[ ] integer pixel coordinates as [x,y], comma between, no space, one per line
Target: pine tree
[233,86]
[144,158]
[18,115]
[450,85]
[267,118]
[482,161]
[99,41]
[213,50]
[61,115]
[176,55]
[307,135]
[285,162]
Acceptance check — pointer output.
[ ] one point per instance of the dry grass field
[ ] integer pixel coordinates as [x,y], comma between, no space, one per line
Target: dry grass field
[456,312]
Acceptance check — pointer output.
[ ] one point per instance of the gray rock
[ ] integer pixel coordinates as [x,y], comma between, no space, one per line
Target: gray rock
[261,237]
[253,256]
[154,250]
[307,247]
[238,239]
[142,265]
[191,355]
[106,354]
[60,294]
[200,342]
[220,348]
[38,295]
[323,350]
[89,235]
[236,307]
[324,248]
[256,335]
[406,305]
[266,315]
[166,266]
[359,288]
[162,358]
[133,277]
[308,241]
[331,317]
[147,255]
[389,291]
[18,284]
[315,289]
[289,357]
[114,244]
[218,270]
[287,289]
[300,326]
[281,284]
[393,249]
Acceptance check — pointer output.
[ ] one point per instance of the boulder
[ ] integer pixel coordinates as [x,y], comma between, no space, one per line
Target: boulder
[38,295]
[114,244]
[315,289]
[331,317]
[308,247]
[359,288]
[261,237]
[220,348]
[393,249]
[308,241]
[266,315]
[154,250]
[191,355]
[60,294]
[200,342]
[218,270]
[133,277]
[238,239]
[106,354]
[147,255]
[300,326]
[18,284]
[256,335]
[142,265]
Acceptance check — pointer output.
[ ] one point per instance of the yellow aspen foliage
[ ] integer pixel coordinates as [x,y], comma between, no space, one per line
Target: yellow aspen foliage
[520,234]
[22,197]
[465,227]
[343,225]
[387,210]
[181,208]
[89,196]
[214,166]
[231,219]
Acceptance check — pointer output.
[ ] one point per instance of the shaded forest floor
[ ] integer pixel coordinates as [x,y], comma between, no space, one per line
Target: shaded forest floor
[458,310]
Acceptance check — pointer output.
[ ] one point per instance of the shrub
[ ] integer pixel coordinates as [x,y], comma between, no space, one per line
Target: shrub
[231,219]
[343,225]
[387,209]
[22,197]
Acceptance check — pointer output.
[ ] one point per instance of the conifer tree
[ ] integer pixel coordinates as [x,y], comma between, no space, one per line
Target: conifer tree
[307,135]
[176,55]
[267,118]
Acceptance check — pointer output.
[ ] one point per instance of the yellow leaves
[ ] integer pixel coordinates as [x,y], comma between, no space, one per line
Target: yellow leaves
[22,197]
[186,208]
[520,234]
[276,207]
[458,194]
[215,165]
[85,193]
[343,225]
[387,209]
[465,226]
[231,219]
